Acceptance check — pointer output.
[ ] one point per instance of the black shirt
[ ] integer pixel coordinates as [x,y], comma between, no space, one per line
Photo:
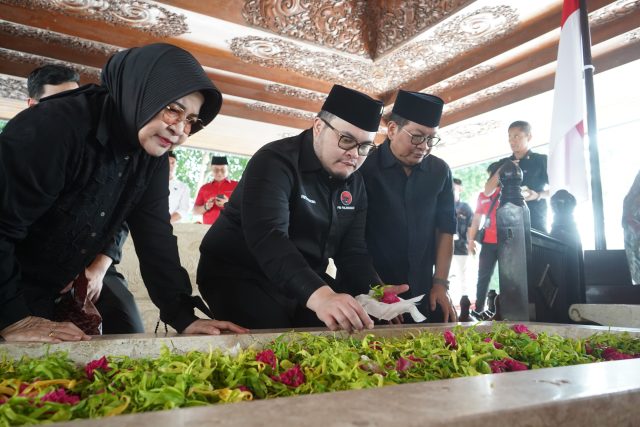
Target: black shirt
[403,215]
[284,220]
[464,216]
[67,184]
[534,176]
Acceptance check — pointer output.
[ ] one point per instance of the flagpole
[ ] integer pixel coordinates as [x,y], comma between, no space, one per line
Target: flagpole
[596,183]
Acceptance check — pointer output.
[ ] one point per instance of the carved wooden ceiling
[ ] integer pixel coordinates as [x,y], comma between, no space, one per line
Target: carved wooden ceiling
[275,60]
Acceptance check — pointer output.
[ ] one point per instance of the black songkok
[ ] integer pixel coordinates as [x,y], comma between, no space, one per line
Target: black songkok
[419,108]
[219,160]
[354,107]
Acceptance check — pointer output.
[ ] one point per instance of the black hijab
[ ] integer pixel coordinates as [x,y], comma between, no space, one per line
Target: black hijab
[141,81]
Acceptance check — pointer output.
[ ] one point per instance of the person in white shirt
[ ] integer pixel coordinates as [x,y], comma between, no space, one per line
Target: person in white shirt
[178,193]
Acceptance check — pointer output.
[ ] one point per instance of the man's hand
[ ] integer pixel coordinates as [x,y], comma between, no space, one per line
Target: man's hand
[472,247]
[95,276]
[209,204]
[531,195]
[37,329]
[339,311]
[221,201]
[439,295]
[213,327]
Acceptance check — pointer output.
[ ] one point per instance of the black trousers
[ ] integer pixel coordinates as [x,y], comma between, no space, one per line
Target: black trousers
[486,267]
[245,302]
[120,314]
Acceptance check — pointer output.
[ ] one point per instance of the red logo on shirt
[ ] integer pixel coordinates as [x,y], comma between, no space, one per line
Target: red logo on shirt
[346,198]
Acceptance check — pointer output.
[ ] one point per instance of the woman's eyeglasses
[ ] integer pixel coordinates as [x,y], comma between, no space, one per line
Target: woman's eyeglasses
[173,114]
[431,140]
[348,143]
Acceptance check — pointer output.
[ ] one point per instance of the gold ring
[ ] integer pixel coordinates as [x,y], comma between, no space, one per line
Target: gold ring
[52,333]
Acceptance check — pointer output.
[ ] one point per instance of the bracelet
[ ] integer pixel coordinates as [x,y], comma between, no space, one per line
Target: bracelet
[442,282]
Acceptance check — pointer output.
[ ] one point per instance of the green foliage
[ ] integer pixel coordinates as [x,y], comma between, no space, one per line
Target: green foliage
[473,178]
[194,167]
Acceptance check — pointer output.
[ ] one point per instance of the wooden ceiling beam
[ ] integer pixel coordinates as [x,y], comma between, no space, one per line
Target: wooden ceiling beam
[209,56]
[544,53]
[607,55]
[240,108]
[535,27]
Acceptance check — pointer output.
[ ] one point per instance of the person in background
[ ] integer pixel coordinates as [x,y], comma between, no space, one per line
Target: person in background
[49,80]
[106,287]
[213,196]
[535,182]
[631,227]
[485,217]
[95,158]
[411,216]
[461,261]
[300,202]
[178,192]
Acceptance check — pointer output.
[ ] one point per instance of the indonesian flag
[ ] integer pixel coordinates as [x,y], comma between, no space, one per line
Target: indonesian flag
[566,163]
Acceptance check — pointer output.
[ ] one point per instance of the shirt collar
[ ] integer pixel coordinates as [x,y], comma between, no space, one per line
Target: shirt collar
[308,160]
[526,156]
[389,160]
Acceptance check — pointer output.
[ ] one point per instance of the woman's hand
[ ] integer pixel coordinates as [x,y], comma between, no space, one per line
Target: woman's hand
[38,329]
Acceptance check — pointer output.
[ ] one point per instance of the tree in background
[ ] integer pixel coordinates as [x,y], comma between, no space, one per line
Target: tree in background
[193,167]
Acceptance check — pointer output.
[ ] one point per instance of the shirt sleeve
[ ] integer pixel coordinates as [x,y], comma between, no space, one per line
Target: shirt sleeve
[200,197]
[167,282]
[114,248]
[268,183]
[33,168]
[446,207]
[183,203]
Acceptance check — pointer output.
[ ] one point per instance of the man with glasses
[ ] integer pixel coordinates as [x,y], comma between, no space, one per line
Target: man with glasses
[411,217]
[299,203]
[214,195]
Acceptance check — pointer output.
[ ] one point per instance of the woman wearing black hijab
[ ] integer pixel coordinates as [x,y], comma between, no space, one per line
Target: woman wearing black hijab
[75,167]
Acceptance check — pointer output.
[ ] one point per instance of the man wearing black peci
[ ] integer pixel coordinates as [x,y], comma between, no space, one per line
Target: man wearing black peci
[411,217]
[299,203]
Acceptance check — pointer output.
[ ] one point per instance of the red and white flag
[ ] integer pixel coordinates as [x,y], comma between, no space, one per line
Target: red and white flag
[566,163]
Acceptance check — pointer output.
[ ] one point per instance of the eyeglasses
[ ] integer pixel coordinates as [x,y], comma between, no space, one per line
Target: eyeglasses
[348,143]
[174,114]
[431,140]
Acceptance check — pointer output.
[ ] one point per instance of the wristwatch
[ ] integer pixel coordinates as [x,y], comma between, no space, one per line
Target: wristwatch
[443,282]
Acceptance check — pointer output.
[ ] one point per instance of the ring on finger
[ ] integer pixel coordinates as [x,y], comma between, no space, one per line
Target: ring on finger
[52,332]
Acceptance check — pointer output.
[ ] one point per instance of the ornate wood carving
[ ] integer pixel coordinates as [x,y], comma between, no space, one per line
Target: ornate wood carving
[50,37]
[459,79]
[468,131]
[282,111]
[481,96]
[14,88]
[407,63]
[613,11]
[366,28]
[337,24]
[295,92]
[401,20]
[37,61]
[138,14]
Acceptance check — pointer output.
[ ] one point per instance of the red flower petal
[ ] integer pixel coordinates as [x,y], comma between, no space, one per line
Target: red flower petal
[390,298]
[268,357]
[292,377]
[450,339]
[101,364]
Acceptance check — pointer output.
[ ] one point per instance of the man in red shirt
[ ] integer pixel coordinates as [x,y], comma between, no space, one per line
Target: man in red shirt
[488,203]
[213,196]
